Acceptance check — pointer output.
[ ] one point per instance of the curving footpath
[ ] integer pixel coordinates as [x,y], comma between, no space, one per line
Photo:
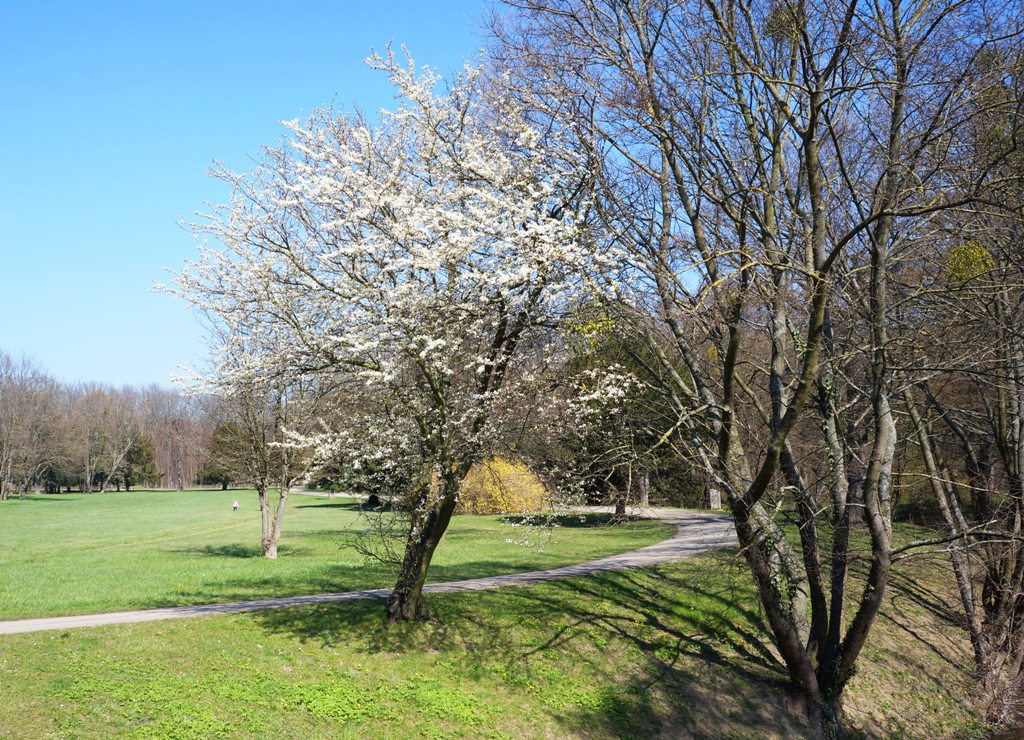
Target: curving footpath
[696,532]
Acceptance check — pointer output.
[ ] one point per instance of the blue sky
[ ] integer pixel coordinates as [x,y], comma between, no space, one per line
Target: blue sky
[110,114]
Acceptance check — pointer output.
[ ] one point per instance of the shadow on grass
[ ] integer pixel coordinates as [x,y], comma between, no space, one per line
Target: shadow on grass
[653,652]
[324,578]
[571,521]
[243,552]
[905,593]
[349,506]
[45,497]
[333,578]
[336,579]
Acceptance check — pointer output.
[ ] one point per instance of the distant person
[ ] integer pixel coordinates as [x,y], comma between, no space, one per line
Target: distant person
[234,506]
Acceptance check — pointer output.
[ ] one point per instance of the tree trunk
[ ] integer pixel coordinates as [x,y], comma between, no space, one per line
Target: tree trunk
[272,521]
[406,604]
[620,506]
[948,505]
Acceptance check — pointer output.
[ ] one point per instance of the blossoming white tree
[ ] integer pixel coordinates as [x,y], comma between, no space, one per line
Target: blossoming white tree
[419,255]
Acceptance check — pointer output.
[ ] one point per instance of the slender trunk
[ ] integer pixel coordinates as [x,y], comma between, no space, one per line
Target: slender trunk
[940,486]
[806,516]
[620,506]
[273,519]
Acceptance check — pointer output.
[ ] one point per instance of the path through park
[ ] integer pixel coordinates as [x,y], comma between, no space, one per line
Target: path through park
[696,532]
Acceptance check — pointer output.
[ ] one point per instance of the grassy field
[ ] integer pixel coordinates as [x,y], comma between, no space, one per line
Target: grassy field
[663,652]
[78,554]
[674,651]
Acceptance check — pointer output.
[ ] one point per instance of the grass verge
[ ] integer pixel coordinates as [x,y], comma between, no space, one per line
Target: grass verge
[80,554]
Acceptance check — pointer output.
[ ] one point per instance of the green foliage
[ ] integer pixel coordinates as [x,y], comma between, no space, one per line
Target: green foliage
[222,464]
[589,328]
[140,463]
[968,261]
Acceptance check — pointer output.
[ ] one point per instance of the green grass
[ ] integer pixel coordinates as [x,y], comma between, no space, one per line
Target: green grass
[674,651]
[78,554]
[661,652]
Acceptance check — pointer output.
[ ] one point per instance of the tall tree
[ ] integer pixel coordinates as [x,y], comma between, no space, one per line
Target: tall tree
[416,255]
[967,410]
[763,168]
[223,462]
[27,423]
[140,463]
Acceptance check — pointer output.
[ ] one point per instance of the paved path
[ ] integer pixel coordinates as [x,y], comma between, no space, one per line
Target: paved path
[696,532]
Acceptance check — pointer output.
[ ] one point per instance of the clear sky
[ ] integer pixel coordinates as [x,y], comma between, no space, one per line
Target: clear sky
[110,113]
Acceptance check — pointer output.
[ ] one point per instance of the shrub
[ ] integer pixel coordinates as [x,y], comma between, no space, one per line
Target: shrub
[501,486]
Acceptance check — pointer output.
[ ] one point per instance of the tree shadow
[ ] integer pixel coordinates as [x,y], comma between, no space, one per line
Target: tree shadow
[665,651]
[570,521]
[50,498]
[243,552]
[350,507]
[336,579]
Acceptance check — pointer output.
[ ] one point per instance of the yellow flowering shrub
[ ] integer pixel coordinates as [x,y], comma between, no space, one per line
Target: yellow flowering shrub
[501,486]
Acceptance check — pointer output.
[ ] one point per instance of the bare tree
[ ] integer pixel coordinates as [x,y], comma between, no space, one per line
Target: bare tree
[764,167]
[967,409]
[269,415]
[26,424]
[181,428]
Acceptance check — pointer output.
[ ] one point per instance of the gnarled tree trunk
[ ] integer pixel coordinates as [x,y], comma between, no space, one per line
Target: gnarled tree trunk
[406,601]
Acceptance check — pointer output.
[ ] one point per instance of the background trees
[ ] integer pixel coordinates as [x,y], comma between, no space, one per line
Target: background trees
[27,424]
[963,340]
[223,463]
[775,204]
[55,436]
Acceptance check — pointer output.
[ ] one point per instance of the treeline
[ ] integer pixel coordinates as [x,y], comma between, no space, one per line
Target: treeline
[91,437]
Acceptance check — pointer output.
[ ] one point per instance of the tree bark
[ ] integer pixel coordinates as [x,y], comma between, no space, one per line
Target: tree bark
[406,603]
[272,519]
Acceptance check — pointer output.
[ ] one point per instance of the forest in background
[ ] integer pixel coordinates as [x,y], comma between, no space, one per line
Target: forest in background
[57,436]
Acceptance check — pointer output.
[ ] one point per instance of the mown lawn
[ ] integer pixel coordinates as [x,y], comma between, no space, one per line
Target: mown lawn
[619,655]
[79,554]
[673,651]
